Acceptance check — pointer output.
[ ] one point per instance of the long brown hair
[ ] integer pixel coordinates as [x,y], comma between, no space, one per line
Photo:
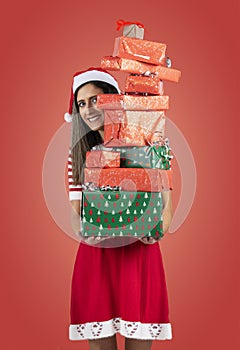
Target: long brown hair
[83,138]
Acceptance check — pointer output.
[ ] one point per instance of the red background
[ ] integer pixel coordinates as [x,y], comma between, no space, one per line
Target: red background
[43,43]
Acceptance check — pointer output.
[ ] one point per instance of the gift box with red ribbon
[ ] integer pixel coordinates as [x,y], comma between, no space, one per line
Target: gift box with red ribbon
[133,128]
[141,179]
[114,213]
[131,29]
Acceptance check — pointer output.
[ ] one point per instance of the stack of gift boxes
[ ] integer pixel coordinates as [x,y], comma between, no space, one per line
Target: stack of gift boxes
[125,178]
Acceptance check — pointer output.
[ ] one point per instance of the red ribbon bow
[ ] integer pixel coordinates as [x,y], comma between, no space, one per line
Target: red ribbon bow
[120,23]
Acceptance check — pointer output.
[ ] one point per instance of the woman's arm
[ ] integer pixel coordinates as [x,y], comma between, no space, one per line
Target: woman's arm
[75,216]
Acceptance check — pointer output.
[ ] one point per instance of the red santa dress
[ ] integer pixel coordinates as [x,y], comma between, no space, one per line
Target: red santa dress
[118,290]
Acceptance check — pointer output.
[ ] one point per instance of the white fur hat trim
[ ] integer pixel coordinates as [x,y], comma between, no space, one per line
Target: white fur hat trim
[68,117]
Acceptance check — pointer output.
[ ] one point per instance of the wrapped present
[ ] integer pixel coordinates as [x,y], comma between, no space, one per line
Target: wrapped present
[141,179]
[133,128]
[133,31]
[154,156]
[114,213]
[102,159]
[141,50]
[132,102]
[137,83]
[136,67]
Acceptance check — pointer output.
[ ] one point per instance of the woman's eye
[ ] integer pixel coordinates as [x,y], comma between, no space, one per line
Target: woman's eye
[81,104]
[94,100]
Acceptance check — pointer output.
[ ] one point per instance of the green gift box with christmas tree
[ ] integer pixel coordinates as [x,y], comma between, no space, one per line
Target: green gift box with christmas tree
[121,213]
[154,156]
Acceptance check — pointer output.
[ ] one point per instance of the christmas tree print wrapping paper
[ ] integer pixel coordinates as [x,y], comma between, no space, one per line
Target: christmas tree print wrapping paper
[121,213]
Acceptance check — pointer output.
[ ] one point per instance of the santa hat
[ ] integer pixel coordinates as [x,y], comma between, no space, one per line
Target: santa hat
[80,78]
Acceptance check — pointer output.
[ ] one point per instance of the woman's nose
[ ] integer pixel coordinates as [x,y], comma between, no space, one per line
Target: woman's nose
[89,103]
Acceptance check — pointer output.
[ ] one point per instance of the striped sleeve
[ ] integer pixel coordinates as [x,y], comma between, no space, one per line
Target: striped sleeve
[75,191]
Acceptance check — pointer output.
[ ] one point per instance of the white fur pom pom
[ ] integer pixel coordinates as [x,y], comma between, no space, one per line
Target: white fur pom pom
[68,117]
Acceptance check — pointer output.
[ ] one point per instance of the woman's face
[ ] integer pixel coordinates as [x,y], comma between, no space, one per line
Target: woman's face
[86,100]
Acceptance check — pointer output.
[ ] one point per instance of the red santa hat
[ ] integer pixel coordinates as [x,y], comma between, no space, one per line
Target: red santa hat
[80,78]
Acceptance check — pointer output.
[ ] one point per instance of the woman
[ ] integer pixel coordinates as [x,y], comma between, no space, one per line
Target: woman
[119,289]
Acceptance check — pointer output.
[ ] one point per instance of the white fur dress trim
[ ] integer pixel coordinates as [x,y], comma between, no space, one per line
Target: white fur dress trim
[135,330]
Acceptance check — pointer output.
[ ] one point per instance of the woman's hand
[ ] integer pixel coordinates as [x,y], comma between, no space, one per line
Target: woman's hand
[93,240]
[75,216]
[148,240]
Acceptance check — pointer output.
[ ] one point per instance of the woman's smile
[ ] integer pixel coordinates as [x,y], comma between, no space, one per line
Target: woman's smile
[94,118]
